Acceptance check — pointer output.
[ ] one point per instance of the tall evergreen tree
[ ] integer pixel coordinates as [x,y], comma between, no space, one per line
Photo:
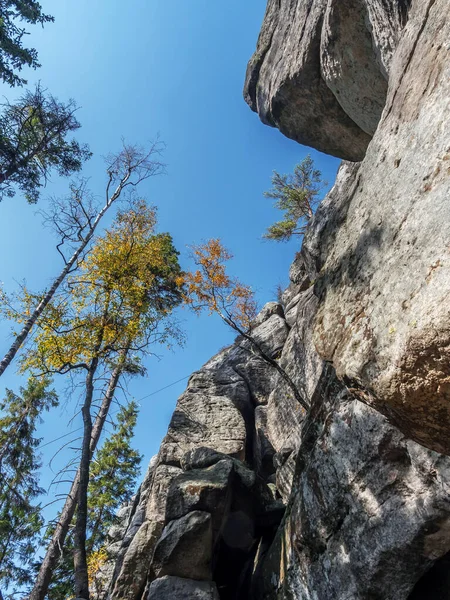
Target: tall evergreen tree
[13,55]
[113,477]
[33,143]
[20,517]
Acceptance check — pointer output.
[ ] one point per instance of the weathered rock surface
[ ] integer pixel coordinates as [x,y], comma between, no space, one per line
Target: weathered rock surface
[320,70]
[369,510]
[384,285]
[185,548]
[175,588]
[381,253]
[251,497]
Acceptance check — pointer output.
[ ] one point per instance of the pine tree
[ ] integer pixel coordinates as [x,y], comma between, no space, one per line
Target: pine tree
[296,195]
[13,55]
[114,473]
[20,518]
[34,145]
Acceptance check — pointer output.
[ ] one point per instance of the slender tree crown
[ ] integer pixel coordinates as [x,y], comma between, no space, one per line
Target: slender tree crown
[33,143]
[113,477]
[75,223]
[126,287]
[20,517]
[296,195]
[13,55]
[210,287]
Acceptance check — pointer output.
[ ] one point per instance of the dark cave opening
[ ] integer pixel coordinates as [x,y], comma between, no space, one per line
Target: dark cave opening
[435,584]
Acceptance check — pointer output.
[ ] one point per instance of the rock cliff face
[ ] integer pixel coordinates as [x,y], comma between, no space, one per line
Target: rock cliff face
[321,68]
[251,497]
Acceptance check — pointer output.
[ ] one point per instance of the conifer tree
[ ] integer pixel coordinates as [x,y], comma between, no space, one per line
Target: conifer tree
[13,55]
[33,143]
[20,517]
[112,482]
[113,477]
[296,195]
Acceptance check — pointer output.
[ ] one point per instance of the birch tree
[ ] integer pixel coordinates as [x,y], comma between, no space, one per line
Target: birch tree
[115,309]
[76,220]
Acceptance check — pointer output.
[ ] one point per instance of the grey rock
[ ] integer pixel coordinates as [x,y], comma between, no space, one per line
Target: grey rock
[263,451]
[176,588]
[285,477]
[369,510]
[133,564]
[320,69]
[208,417]
[201,458]
[350,70]
[293,96]
[185,548]
[208,490]
[268,310]
[384,283]
[281,456]
[360,509]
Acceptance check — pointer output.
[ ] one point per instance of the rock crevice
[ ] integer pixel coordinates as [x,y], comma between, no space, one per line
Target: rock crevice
[250,496]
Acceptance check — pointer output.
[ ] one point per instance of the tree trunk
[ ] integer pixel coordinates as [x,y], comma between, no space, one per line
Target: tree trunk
[269,360]
[22,336]
[56,544]
[79,553]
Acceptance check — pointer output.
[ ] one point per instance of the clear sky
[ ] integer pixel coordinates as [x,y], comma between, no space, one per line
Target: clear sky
[173,67]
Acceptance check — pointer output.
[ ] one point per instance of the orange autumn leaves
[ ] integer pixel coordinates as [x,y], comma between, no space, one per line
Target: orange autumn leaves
[210,287]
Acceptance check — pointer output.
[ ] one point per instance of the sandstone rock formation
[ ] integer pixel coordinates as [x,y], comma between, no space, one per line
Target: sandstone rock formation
[251,497]
[321,67]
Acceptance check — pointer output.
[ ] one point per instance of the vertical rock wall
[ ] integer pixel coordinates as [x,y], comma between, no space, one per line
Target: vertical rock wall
[250,497]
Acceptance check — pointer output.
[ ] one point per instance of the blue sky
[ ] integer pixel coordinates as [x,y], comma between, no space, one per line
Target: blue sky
[176,68]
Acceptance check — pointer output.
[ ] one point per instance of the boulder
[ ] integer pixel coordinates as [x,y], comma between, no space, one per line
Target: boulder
[384,282]
[185,548]
[208,490]
[369,511]
[176,588]
[201,458]
[320,70]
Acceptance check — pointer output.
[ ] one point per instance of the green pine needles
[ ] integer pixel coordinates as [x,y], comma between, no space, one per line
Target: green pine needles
[13,55]
[20,516]
[113,477]
[297,196]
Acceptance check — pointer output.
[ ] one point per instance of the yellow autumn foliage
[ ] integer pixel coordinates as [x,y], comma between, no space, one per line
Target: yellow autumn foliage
[124,288]
[210,287]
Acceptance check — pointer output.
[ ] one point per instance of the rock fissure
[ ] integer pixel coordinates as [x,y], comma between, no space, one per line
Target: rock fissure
[250,496]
